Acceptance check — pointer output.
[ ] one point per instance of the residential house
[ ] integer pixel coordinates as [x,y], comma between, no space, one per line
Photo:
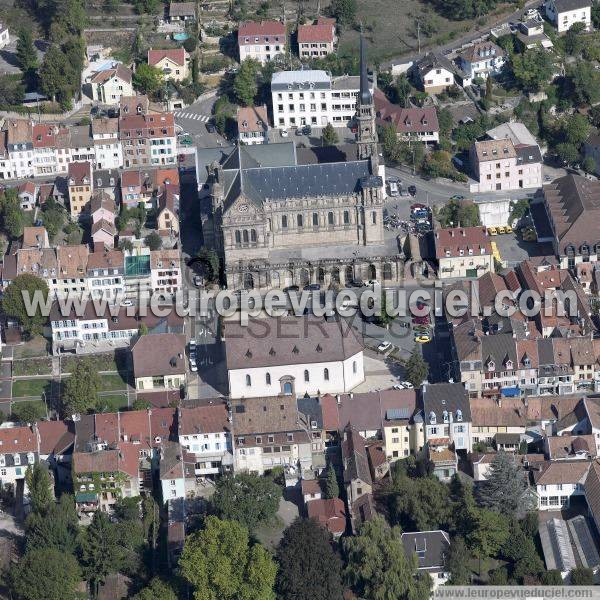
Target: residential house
[159,370]
[499,365]
[572,207]
[176,472]
[206,433]
[329,513]
[491,418]
[563,14]
[56,449]
[182,11]
[70,273]
[316,356]
[107,146]
[567,447]
[35,237]
[313,97]
[81,144]
[531,35]
[317,39]
[311,490]
[481,463]
[431,549]
[501,165]
[109,85]
[103,209]
[105,270]
[27,193]
[463,252]
[582,419]
[412,124]
[107,182]
[20,447]
[435,73]
[148,139]
[173,63]
[81,188]
[262,41]
[165,272]
[253,125]
[17,159]
[167,219]
[557,482]
[51,149]
[482,60]
[270,432]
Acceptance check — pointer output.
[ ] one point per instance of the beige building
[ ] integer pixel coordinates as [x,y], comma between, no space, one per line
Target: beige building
[262,41]
[463,252]
[108,86]
[173,62]
[159,361]
[253,125]
[168,210]
[81,187]
[435,73]
[317,40]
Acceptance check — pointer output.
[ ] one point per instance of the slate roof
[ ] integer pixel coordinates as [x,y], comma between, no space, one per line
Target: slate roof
[567,5]
[170,360]
[499,348]
[452,397]
[592,490]
[430,547]
[434,61]
[551,473]
[354,457]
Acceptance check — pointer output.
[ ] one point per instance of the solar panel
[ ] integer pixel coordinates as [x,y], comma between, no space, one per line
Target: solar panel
[393,414]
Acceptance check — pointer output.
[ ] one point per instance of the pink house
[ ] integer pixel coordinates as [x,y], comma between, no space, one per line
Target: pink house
[103,208]
[103,234]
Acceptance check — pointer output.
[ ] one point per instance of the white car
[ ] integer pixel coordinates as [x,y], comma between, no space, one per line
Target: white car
[284,132]
[407,385]
[193,365]
[198,280]
[192,347]
[126,302]
[384,347]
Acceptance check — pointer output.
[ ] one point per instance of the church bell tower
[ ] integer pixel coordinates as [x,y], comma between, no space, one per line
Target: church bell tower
[366,133]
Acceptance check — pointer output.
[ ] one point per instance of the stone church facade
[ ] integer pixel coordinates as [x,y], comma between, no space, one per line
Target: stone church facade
[278,225]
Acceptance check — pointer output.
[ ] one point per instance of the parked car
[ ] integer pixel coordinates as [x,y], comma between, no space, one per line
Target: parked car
[492,231]
[424,320]
[198,280]
[306,130]
[457,198]
[412,190]
[407,385]
[393,187]
[312,287]
[193,365]
[422,339]
[126,302]
[384,347]
[192,347]
[501,229]
[356,283]
[291,288]
[283,132]
[211,127]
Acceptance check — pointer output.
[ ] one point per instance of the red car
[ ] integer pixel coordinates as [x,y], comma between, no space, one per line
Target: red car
[421,320]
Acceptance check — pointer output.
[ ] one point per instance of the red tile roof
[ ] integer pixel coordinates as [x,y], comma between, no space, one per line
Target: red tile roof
[17,439]
[210,418]
[405,119]
[263,29]
[177,55]
[455,239]
[330,514]
[78,172]
[107,427]
[135,427]
[322,31]
[55,436]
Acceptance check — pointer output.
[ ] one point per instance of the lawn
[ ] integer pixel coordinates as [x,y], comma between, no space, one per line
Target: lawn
[109,383]
[35,347]
[112,403]
[41,366]
[30,387]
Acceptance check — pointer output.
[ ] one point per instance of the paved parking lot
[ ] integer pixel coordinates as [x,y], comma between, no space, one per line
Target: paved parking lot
[513,249]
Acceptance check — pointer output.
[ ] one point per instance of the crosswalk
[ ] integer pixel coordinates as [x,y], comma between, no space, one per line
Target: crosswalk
[191,116]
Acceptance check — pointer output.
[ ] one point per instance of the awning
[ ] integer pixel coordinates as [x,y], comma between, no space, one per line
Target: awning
[510,392]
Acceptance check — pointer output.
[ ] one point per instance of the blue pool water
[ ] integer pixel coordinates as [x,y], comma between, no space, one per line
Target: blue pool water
[180,37]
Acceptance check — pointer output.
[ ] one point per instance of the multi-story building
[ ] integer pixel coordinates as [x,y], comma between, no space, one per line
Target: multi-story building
[318,39]
[104,273]
[262,41]
[463,252]
[19,448]
[81,187]
[313,98]
[109,85]
[165,272]
[482,60]
[148,139]
[167,219]
[500,165]
[253,125]
[51,150]
[173,63]
[107,147]
[70,273]
[435,73]
[563,14]
[17,160]
[491,417]
[412,124]
[206,433]
[431,549]
[556,483]
[159,371]
[318,356]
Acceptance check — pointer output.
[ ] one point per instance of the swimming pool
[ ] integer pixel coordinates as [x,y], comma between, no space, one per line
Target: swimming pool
[180,37]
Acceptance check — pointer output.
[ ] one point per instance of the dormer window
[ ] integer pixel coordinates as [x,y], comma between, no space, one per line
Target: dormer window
[432,418]
[459,415]
[445,415]
[491,365]
[17,459]
[527,362]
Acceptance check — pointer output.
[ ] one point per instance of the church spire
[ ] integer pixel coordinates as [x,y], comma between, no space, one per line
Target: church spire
[366,134]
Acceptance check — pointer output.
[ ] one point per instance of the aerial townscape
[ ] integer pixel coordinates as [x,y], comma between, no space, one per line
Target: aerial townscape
[299,299]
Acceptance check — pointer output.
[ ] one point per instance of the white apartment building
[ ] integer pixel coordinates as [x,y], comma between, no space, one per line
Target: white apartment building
[16,150]
[482,60]
[313,98]
[262,41]
[563,14]
[165,271]
[19,448]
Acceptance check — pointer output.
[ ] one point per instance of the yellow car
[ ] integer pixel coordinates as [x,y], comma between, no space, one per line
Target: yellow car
[492,231]
[508,229]
[501,229]
[422,339]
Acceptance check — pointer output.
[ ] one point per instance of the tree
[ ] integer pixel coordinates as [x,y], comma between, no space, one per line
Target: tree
[153,241]
[490,531]
[245,84]
[81,389]
[589,164]
[210,263]
[403,90]
[567,152]
[148,79]
[446,121]
[40,492]
[110,6]
[552,577]
[12,90]
[57,528]
[582,576]
[128,509]
[27,412]
[329,137]
[143,329]
[532,69]
[157,589]
[53,217]
[126,245]
[56,76]
[15,306]
[190,44]
[220,564]
[344,11]
[27,58]
[301,575]
[456,562]
[576,129]
[246,498]
[101,550]
[505,490]
[377,566]
[332,489]
[489,92]
[417,370]
[12,215]
[573,40]
[45,574]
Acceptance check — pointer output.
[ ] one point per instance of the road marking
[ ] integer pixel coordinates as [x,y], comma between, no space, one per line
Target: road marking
[192,116]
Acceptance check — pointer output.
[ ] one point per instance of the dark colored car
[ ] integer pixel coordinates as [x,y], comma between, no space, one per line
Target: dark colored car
[291,288]
[412,190]
[307,130]
[312,287]
[357,283]
[210,127]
